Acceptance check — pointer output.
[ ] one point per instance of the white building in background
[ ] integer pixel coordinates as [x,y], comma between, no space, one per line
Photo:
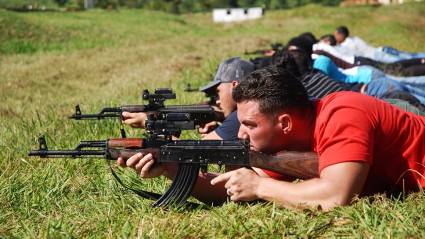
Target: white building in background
[237,14]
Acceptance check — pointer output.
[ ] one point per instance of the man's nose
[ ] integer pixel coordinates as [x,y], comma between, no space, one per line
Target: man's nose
[242,133]
[217,102]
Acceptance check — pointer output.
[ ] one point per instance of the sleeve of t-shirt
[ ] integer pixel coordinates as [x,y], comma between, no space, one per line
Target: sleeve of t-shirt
[344,135]
[328,67]
[332,50]
[229,129]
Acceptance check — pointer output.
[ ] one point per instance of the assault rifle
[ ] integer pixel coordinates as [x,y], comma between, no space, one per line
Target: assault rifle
[200,114]
[191,156]
[212,95]
[273,47]
[181,117]
[189,88]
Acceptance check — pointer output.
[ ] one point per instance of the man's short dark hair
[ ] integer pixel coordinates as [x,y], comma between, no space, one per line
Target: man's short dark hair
[343,30]
[274,89]
[330,38]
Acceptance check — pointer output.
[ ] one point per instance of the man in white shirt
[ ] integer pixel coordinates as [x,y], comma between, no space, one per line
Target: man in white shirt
[349,45]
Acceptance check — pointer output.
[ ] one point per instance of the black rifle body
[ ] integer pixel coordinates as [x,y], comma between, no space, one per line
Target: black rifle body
[199,114]
[190,155]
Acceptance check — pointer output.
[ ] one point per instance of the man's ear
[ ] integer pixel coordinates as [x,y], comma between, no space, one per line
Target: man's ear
[285,122]
[234,83]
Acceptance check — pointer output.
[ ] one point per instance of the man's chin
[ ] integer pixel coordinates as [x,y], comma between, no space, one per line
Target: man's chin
[226,113]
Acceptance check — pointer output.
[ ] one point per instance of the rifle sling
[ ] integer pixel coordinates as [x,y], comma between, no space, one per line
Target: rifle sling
[142,193]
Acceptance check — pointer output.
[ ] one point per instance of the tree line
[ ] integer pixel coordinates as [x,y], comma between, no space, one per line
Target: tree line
[172,6]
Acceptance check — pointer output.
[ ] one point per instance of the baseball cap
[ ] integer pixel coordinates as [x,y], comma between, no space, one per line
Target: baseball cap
[233,69]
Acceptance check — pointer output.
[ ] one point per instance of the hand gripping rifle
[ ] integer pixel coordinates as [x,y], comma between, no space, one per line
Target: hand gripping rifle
[190,156]
[199,113]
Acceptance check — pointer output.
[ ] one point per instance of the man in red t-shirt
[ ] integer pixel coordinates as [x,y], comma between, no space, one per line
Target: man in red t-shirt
[364,145]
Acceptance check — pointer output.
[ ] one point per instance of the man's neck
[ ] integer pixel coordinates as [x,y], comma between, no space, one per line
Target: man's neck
[303,136]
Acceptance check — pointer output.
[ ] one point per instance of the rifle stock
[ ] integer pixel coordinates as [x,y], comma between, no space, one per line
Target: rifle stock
[302,165]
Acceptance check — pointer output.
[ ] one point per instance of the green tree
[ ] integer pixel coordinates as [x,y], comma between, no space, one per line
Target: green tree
[107,4]
[61,2]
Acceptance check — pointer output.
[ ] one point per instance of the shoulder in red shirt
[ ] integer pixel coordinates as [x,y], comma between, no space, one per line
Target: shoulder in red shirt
[351,127]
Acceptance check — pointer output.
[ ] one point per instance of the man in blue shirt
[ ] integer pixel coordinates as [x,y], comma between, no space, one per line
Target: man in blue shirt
[230,72]
[228,76]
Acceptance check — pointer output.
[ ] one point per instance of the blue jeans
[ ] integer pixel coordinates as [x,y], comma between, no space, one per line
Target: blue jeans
[418,81]
[402,54]
[381,86]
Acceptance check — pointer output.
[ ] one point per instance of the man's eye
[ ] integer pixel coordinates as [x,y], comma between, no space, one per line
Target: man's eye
[249,126]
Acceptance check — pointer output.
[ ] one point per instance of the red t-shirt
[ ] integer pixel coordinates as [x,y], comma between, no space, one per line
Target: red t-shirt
[351,127]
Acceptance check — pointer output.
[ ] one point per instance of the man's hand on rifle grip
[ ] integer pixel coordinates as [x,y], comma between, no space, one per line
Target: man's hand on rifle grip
[135,120]
[144,165]
[207,128]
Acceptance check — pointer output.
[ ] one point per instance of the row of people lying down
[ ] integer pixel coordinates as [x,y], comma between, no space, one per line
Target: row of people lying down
[365,79]
[359,144]
[319,80]
[354,45]
[406,67]
[348,52]
[372,77]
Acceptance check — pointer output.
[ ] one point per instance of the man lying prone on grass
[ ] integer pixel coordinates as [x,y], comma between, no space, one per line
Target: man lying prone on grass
[364,145]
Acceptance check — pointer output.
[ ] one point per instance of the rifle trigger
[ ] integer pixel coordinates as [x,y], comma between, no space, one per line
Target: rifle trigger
[204,168]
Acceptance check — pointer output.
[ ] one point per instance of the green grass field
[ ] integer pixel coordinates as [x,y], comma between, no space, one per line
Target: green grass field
[49,62]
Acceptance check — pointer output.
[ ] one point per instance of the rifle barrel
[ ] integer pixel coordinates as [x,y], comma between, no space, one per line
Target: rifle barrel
[109,112]
[95,116]
[64,153]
